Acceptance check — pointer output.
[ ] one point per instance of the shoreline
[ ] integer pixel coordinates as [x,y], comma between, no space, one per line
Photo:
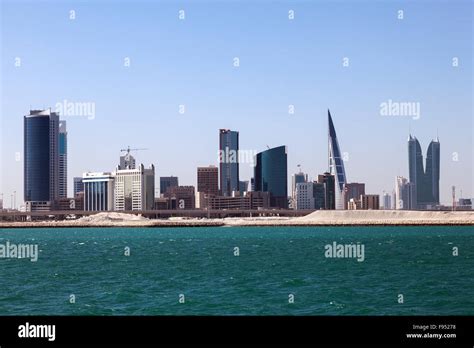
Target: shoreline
[315,219]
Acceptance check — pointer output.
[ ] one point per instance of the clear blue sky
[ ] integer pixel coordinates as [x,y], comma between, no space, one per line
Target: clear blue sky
[282,62]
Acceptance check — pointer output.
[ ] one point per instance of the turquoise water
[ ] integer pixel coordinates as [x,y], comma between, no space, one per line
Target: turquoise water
[274,262]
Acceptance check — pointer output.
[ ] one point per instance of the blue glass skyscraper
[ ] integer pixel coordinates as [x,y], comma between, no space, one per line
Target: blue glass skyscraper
[426,180]
[228,161]
[336,164]
[271,175]
[41,156]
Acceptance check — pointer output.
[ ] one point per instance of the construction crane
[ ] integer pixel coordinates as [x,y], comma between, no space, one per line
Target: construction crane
[128,149]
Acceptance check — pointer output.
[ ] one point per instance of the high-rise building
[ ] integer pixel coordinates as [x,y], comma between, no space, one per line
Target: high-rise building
[387,201]
[98,191]
[228,161]
[134,189]
[208,180]
[329,190]
[296,179]
[336,164]
[370,202]
[426,180]
[271,175]
[41,158]
[78,186]
[167,182]
[310,195]
[62,159]
[353,190]
[405,194]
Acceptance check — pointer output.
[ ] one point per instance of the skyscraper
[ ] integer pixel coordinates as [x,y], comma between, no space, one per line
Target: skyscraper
[329,190]
[426,180]
[228,161]
[336,164]
[41,159]
[387,201]
[271,175]
[134,189]
[295,180]
[405,194]
[207,180]
[62,159]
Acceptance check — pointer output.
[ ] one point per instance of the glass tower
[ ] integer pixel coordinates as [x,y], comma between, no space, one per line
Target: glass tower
[228,161]
[336,164]
[271,175]
[425,180]
[41,156]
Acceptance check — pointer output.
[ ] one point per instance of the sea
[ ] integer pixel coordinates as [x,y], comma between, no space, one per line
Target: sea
[404,270]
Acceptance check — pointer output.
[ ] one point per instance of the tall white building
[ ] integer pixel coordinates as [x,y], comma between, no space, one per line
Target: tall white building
[98,191]
[296,179]
[405,194]
[134,189]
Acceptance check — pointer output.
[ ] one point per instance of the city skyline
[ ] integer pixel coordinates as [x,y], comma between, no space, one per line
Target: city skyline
[257,93]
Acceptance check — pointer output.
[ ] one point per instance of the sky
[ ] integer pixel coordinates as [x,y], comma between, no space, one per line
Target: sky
[136,62]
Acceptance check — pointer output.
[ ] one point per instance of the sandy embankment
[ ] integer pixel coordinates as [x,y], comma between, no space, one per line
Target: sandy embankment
[364,217]
[317,218]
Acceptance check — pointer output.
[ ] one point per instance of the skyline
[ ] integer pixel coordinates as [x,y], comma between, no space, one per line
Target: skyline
[277,69]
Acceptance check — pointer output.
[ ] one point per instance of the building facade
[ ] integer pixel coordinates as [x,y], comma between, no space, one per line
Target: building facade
[296,179]
[208,180]
[134,189]
[424,178]
[98,191]
[41,159]
[247,201]
[181,197]
[78,186]
[405,194]
[228,161]
[310,195]
[353,190]
[336,164]
[167,182]
[270,175]
[370,202]
[62,159]
[329,183]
